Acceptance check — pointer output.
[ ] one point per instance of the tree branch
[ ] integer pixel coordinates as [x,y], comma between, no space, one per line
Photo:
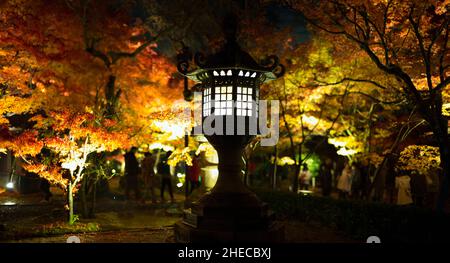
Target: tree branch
[312,22]
[425,55]
[443,84]
[115,56]
[353,80]
[357,27]
[90,48]
[327,132]
[442,56]
[368,96]
[381,34]
[443,26]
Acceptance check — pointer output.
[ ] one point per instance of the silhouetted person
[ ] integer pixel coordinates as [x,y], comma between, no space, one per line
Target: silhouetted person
[403,186]
[148,174]
[45,188]
[365,180]
[305,177]
[432,178]
[356,185]
[131,174]
[325,177]
[418,188]
[193,174]
[166,180]
[344,184]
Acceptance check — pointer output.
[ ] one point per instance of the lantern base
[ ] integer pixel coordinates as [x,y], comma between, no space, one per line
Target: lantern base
[225,217]
[188,234]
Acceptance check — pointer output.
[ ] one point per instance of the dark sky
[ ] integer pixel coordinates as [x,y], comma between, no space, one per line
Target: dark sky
[283,17]
[279,16]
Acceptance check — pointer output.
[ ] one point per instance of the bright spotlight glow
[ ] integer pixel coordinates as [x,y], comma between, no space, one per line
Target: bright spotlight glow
[306,192]
[346,152]
[158,145]
[179,185]
[10,185]
[336,142]
[211,175]
[214,172]
[310,120]
[9,203]
[175,129]
[180,175]
[286,160]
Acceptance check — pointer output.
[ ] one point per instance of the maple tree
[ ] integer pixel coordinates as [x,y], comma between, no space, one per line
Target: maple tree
[101,61]
[50,62]
[421,158]
[397,36]
[317,98]
[58,146]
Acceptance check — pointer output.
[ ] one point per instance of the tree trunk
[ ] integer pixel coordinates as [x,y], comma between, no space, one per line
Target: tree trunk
[246,177]
[441,134]
[70,204]
[274,178]
[445,165]
[377,187]
[94,200]
[84,193]
[439,125]
[298,166]
[296,173]
[186,181]
[111,97]
[365,194]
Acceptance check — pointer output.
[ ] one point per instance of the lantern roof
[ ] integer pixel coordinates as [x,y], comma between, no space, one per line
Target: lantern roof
[231,56]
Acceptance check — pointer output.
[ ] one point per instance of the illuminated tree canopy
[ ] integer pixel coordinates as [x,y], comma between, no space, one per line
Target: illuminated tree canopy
[80,77]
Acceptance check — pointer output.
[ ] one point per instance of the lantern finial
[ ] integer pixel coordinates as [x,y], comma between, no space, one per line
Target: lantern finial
[229,25]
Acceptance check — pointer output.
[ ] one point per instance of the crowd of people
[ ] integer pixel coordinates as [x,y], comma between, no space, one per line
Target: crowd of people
[153,169]
[402,187]
[353,181]
[350,182]
[420,189]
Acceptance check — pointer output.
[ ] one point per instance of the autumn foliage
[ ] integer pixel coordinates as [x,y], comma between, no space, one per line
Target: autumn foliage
[81,77]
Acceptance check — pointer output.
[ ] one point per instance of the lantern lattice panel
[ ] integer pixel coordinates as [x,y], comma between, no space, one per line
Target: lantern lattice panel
[231,92]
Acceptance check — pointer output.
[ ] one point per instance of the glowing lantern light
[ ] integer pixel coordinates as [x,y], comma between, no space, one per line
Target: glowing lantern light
[10,185]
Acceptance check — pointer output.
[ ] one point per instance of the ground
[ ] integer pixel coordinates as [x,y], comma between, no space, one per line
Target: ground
[25,219]
[296,232]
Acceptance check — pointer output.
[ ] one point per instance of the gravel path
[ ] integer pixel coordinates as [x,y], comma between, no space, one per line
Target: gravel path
[161,235]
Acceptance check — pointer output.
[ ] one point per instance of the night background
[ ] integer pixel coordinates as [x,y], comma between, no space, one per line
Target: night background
[98,112]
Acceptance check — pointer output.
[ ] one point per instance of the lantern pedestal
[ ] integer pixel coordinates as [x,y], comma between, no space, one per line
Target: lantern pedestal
[230,212]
